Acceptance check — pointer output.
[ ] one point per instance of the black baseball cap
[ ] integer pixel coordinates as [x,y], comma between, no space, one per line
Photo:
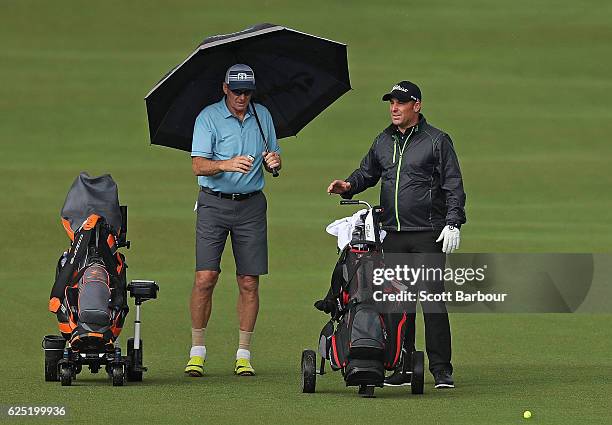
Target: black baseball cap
[404,91]
[240,77]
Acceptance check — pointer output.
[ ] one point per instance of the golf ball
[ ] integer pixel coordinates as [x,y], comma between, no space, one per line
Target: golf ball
[526,414]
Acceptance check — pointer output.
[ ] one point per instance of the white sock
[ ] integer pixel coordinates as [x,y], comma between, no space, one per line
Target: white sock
[243,354]
[198,350]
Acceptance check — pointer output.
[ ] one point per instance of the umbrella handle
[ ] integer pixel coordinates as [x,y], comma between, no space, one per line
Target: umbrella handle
[274,170]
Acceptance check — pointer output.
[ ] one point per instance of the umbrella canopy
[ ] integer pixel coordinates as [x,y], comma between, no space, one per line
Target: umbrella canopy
[297,75]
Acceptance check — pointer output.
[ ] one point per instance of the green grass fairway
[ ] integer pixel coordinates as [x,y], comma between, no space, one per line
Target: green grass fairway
[524,89]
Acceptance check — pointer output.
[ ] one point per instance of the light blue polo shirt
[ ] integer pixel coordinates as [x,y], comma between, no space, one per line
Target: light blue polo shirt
[218,135]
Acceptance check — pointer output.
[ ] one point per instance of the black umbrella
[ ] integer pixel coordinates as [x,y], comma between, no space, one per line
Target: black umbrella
[298,75]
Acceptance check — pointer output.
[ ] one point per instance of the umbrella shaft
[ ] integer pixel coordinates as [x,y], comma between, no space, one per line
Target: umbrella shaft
[267,148]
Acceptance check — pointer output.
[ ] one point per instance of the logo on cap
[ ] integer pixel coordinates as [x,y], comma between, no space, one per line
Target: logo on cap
[404,91]
[240,76]
[400,88]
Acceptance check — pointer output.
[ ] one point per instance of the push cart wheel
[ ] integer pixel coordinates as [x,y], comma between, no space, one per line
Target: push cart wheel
[118,375]
[417,379]
[65,376]
[134,371]
[309,371]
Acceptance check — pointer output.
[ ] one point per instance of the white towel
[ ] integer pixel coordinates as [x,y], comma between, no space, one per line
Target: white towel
[344,227]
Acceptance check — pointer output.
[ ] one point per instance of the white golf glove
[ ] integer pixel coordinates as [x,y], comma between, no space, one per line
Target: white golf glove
[451,236]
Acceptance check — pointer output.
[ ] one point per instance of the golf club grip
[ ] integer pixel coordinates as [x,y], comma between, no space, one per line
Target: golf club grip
[275,172]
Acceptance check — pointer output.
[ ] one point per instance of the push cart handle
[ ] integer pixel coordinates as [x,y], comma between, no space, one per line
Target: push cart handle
[355,202]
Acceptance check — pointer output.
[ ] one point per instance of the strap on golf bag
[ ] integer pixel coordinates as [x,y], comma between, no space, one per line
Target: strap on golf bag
[68,271]
[334,302]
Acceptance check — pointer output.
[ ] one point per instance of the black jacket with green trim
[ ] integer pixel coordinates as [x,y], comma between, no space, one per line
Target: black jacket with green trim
[426,191]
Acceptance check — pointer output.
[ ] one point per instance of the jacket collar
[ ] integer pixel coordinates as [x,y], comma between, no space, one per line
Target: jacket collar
[417,128]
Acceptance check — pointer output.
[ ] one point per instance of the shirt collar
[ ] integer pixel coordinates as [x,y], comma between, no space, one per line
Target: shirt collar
[226,112]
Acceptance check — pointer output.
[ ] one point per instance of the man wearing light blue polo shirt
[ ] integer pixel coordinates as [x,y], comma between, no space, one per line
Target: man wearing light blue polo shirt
[228,156]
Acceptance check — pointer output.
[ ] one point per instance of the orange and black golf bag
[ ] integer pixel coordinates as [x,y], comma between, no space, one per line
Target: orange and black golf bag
[89,295]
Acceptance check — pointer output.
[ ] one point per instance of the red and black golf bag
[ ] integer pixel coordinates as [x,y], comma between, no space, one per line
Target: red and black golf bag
[89,295]
[359,339]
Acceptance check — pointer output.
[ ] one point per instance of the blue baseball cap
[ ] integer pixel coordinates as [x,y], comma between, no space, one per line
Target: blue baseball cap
[240,76]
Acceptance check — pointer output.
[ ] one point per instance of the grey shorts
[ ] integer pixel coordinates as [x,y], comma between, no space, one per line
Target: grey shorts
[245,222]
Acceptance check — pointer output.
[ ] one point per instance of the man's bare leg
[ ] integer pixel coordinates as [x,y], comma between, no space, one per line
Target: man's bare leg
[201,297]
[201,307]
[248,307]
[248,301]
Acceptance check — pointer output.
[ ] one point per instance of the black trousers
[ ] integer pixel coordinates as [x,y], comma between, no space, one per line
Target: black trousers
[437,326]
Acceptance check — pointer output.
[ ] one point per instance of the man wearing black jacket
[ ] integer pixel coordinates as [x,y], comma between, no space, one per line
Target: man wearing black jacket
[423,200]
